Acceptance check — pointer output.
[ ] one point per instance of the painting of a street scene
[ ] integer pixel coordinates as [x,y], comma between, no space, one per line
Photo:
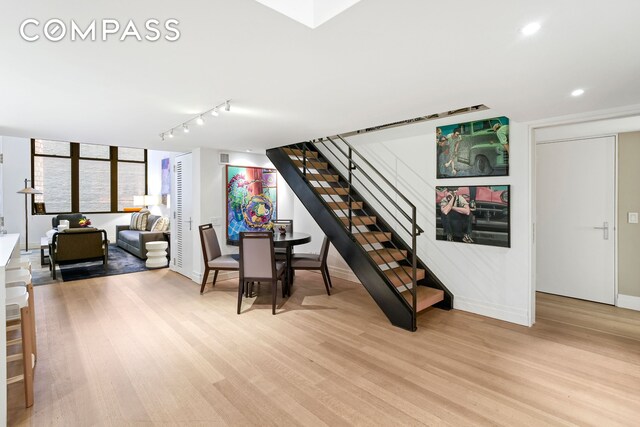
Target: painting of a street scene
[478,148]
[473,215]
[251,200]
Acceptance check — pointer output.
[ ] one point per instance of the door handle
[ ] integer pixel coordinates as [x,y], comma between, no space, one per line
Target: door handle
[605,230]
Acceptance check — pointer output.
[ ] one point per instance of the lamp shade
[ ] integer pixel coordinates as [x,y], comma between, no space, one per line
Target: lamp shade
[29,190]
[138,200]
[151,200]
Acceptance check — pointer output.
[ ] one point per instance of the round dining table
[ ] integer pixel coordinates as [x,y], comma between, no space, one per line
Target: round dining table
[288,241]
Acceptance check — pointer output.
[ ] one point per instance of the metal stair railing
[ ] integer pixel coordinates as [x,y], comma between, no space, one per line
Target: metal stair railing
[352,164]
[324,192]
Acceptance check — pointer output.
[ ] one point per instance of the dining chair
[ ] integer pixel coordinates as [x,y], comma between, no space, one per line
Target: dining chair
[304,261]
[258,264]
[212,255]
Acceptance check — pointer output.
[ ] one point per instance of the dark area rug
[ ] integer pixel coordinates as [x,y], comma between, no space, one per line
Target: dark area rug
[120,262]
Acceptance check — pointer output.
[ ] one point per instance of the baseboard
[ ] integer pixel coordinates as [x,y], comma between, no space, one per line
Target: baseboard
[629,301]
[496,311]
[343,273]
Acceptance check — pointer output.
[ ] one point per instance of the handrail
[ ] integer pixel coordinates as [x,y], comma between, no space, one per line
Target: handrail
[386,181]
[370,179]
[354,164]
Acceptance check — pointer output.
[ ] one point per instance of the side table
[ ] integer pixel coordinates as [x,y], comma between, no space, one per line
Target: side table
[44,245]
[156,254]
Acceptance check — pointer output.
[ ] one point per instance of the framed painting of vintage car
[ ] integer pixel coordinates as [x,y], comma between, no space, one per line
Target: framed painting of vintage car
[477,148]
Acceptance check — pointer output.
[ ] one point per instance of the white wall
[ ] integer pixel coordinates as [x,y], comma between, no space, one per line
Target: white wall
[487,280]
[17,167]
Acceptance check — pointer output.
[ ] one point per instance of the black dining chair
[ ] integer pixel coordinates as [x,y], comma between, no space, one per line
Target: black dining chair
[315,262]
[258,264]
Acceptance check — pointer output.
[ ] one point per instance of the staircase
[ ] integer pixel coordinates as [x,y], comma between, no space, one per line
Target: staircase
[330,176]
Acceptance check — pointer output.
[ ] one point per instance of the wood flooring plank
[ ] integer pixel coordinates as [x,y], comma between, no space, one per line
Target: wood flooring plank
[148,349]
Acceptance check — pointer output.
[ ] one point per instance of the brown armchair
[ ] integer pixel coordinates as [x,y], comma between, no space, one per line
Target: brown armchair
[78,245]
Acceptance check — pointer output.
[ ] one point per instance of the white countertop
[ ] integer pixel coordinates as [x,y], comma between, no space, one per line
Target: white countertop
[7,244]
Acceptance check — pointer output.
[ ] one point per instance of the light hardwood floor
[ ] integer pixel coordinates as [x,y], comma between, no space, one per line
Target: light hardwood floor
[147,349]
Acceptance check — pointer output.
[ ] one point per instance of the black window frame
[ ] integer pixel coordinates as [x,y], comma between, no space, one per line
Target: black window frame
[74,155]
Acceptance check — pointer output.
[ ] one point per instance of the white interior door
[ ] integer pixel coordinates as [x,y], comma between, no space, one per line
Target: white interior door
[575,218]
[182,245]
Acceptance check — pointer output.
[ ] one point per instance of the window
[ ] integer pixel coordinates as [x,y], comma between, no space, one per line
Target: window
[87,178]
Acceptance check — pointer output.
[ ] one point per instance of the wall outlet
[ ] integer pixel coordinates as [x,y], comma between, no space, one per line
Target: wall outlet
[633,217]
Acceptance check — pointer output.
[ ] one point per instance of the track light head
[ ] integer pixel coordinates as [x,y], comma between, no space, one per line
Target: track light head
[162,136]
[185,128]
[171,134]
[227,106]
[200,120]
[215,112]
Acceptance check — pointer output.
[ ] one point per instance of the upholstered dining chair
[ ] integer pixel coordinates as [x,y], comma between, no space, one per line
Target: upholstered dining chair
[258,264]
[212,255]
[315,262]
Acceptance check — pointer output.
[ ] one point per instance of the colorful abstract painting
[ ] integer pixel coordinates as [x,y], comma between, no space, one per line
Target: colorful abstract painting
[165,188]
[251,200]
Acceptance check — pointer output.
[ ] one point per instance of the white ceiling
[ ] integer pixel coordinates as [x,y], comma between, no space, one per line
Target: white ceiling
[378,61]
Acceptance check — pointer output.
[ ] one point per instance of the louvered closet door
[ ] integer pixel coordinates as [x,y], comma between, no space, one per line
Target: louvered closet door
[182,249]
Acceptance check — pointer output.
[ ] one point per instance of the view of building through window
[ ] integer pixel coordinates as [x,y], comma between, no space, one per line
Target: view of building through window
[107,178]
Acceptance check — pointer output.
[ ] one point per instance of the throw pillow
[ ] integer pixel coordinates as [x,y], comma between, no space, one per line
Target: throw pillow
[161,224]
[139,220]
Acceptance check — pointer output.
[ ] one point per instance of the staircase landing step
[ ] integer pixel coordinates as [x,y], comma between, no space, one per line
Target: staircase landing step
[382,256]
[426,297]
[401,276]
[337,206]
[371,237]
[359,220]
[297,152]
[311,164]
[322,177]
[331,191]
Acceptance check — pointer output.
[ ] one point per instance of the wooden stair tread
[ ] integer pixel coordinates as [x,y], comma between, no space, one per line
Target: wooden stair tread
[425,298]
[322,177]
[300,153]
[401,276]
[382,256]
[370,237]
[359,220]
[336,206]
[331,191]
[311,164]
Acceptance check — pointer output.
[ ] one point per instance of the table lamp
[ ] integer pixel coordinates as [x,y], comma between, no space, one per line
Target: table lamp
[26,191]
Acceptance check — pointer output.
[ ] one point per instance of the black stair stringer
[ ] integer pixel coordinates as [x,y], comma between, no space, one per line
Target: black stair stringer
[393,305]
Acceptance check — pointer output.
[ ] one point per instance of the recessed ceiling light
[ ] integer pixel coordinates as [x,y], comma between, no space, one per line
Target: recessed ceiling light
[530,29]
[577,92]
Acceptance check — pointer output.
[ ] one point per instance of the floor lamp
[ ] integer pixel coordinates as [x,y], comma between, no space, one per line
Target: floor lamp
[26,191]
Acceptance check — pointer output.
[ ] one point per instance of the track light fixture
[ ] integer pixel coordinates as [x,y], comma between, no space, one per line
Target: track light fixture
[199,119]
